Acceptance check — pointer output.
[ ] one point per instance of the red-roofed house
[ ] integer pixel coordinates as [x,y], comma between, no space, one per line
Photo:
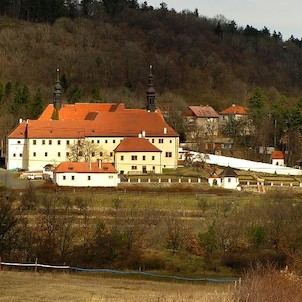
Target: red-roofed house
[138,155]
[277,158]
[202,118]
[238,113]
[85,174]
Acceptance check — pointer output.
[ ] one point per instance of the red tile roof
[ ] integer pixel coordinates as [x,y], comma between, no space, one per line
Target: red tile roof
[234,109]
[203,111]
[120,123]
[79,111]
[84,167]
[135,144]
[277,155]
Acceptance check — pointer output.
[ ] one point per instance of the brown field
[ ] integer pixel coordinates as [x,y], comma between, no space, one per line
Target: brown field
[24,286]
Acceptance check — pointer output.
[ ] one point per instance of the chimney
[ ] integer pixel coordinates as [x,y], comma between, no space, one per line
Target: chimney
[90,166]
[20,121]
[139,135]
[99,164]
[165,130]
[143,133]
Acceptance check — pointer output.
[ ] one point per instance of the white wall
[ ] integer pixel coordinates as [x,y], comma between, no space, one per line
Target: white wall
[81,179]
[17,154]
[36,156]
[246,165]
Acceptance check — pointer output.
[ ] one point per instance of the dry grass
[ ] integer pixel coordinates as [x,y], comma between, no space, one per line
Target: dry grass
[21,286]
[270,285]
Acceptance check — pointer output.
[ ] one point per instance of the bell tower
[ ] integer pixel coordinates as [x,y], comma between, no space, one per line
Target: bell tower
[151,102]
[57,92]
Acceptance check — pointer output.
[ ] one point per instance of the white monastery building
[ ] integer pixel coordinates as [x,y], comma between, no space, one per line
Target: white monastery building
[133,140]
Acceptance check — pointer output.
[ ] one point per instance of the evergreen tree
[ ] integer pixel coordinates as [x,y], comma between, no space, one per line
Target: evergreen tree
[96,93]
[8,88]
[75,95]
[36,105]
[1,92]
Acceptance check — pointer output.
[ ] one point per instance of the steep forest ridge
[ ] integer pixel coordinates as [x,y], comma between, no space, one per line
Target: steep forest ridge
[103,49]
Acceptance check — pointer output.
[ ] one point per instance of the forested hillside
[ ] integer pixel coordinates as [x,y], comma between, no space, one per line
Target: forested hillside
[104,48]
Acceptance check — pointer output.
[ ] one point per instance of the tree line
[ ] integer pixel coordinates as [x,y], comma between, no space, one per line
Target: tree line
[60,228]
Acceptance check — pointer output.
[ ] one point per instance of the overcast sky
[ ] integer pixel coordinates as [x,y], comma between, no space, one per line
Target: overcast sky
[278,15]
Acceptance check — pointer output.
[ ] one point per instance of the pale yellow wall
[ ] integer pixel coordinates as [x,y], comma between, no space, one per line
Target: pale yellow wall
[150,160]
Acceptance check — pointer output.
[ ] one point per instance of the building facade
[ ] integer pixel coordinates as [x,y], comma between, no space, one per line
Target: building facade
[91,131]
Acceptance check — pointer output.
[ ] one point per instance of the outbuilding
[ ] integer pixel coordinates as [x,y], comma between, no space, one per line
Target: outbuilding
[85,174]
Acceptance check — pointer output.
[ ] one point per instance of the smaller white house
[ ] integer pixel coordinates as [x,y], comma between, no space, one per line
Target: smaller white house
[85,174]
[228,179]
[277,158]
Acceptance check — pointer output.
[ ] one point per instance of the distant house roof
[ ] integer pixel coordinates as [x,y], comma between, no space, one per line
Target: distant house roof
[234,109]
[84,167]
[202,111]
[135,144]
[277,155]
[228,172]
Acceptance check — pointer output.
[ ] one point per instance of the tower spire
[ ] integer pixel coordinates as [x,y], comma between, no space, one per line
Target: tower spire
[57,92]
[151,102]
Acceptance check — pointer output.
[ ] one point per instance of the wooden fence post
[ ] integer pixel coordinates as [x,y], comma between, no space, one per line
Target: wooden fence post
[36,265]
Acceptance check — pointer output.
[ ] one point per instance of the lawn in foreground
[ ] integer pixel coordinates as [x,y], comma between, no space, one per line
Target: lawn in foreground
[23,286]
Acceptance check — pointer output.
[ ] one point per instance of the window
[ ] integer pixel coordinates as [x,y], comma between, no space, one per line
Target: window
[170,141]
[14,155]
[168,154]
[59,154]
[72,177]
[50,142]
[20,154]
[64,177]
[34,154]
[111,153]
[92,141]
[67,154]
[106,141]
[153,157]
[114,141]
[160,140]
[43,141]
[59,142]
[122,157]
[144,157]
[46,154]
[153,168]
[101,153]
[152,140]
[98,141]
[134,168]
[67,142]
[110,177]
[133,157]
[19,142]
[229,179]
[34,142]
[89,177]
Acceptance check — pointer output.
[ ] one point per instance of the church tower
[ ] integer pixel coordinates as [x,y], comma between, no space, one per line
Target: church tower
[57,92]
[151,102]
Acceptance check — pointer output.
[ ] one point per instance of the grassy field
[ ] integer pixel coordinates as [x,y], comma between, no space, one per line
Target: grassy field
[21,286]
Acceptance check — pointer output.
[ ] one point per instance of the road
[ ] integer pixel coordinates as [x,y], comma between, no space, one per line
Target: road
[11,180]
